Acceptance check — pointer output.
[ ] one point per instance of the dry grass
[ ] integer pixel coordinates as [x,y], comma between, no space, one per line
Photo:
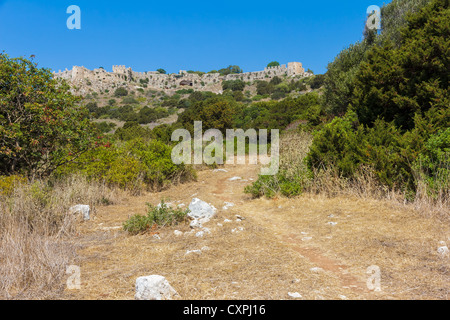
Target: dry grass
[282,240]
[36,229]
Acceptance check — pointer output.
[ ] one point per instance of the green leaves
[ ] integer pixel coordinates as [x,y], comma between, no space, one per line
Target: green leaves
[41,126]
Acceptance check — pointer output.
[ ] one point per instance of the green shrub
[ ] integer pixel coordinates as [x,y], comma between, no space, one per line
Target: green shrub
[42,125]
[160,216]
[129,100]
[134,165]
[234,85]
[432,167]
[395,83]
[9,183]
[346,146]
[121,92]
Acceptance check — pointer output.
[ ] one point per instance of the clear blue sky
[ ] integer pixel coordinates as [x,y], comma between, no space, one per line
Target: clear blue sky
[182,35]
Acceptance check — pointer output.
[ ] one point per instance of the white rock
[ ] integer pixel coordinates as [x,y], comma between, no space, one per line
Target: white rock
[205,248]
[200,209]
[235,179]
[443,250]
[227,205]
[236,230]
[294,295]
[220,225]
[178,233]
[220,170]
[157,237]
[342,297]
[154,287]
[306,238]
[206,230]
[227,221]
[316,269]
[200,234]
[240,217]
[332,223]
[83,209]
[193,251]
[195,224]
[181,205]
[203,220]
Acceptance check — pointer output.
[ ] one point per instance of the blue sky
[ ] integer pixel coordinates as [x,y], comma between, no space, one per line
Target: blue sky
[182,35]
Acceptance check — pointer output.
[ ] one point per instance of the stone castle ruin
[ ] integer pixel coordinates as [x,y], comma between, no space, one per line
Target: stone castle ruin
[87,80]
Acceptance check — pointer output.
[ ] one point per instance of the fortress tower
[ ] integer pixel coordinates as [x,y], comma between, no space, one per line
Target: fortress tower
[295,68]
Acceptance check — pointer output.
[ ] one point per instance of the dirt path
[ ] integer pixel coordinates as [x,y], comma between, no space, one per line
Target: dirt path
[318,247]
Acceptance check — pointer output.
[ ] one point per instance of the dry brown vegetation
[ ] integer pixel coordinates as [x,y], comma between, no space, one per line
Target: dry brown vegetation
[283,240]
[286,245]
[37,232]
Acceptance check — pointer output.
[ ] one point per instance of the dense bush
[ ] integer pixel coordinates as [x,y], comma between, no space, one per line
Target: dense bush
[317,81]
[148,115]
[120,92]
[41,126]
[346,146]
[134,165]
[384,87]
[105,127]
[233,85]
[215,113]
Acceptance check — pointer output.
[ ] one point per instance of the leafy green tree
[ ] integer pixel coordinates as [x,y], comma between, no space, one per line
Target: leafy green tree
[120,92]
[234,85]
[41,124]
[215,113]
[273,64]
[397,83]
[230,70]
[162,71]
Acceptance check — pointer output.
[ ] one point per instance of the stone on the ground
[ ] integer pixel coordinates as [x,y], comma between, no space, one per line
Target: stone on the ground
[294,295]
[220,170]
[332,223]
[85,210]
[443,250]
[154,287]
[178,233]
[200,234]
[200,209]
[227,221]
[236,230]
[193,251]
[235,179]
[227,205]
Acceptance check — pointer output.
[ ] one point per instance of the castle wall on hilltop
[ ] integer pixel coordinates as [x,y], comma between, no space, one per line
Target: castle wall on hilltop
[99,79]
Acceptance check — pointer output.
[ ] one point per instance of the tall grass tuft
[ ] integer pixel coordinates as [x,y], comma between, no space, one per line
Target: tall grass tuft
[35,234]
